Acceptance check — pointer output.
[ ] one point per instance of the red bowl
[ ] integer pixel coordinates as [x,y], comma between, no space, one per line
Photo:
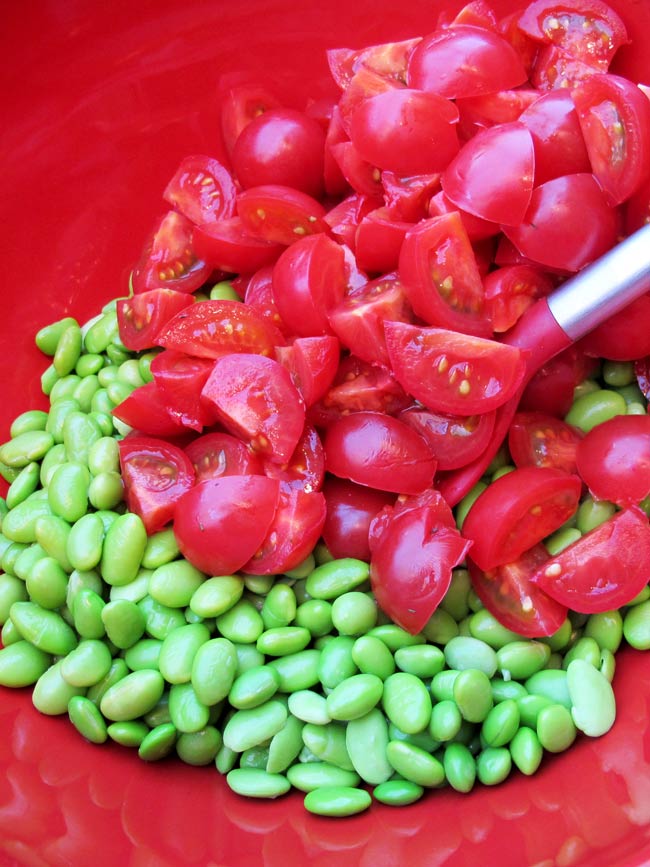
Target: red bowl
[100,103]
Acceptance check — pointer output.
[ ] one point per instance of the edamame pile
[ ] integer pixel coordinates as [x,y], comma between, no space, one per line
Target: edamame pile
[286,681]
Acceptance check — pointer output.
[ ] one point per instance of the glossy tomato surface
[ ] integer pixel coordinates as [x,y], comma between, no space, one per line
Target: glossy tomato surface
[101,102]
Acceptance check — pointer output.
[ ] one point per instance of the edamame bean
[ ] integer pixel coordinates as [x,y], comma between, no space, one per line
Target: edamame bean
[354,613]
[336,661]
[464,652]
[158,743]
[68,350]
[446,720]
[80,432]
[179,650]
[22,664]
[283,640]
[336,577]
[328,743]
[257,783]
[484,626]
[47,583]
[215,596]
[144,654]
[67,491]
[199,748]
[354,697]
[441,627]
[12,590]
[123,549]
[606,628]
[248,728]
[593,706]
[25,448]
[371,656]
[309,706]
[337,801]
[407,702]
[521,659]
[84,543]
[561,539]
[52,693]
[279,608]
[23,485]
[116,672]
[423,660]
[87,664]
[45,629]
[501,724]
[366,742]
[133,696]
[52,535]
[213,670]
[556,729]
[442,684]
[415,764]
[636,626]
[87,719]
[493,765]
[54,458]
[309,776]
[298,670]
[161,548]
[175,583]
[472,693]
[128,734]
[526,750]
[460,767]
[454,601]
[502,689]
[47,338]
[551,684]
[242,623]
[187,712]
[254,687]
[284,747]
[397,793]
[594,408]
[316,616]
[106,490]
[124,622]
[19,525]
[585,648]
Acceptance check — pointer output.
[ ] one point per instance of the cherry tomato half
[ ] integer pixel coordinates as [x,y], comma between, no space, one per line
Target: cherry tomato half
[613,459]
[220,454]
[518,510]
[604,569]
[142,317]
[228,246]
[156,474]
[539,440]
[202,189]
[455,440]
[509,292]
[279,214]
[180,378]
[350,511]
[170,258]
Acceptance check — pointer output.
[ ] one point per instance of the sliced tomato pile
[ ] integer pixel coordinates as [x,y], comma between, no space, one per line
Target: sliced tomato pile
[381,244]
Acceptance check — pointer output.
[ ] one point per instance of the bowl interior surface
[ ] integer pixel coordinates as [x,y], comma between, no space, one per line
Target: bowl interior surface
[101,102]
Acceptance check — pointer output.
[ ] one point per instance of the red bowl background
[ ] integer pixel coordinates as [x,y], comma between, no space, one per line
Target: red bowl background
[100,103]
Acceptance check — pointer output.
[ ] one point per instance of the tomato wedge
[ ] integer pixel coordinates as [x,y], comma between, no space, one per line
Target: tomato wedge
[312,363]
[305,469]
[438,269]
[351,509]
[211,329]
[220,523]
[170,258]
[203,190]
[412,559]
[145,410]
[604,569]
[510,291]
[156,474]
[539,440]
[228,246]
[141,317]
[450,372]
[180,378]
[279,214]
[455,440]
[220,454]
[613,459]
[509,594]
[517,511]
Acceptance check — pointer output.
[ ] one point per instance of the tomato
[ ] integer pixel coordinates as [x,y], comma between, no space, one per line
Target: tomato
[141,317]
[359,319]
[334,181]
[387,59]
[559,145]
[145,410]
[362,176]
[492,176]
[550,233]
[220,454]
[312,363]
[344,218]
[281,146]
[451,372]
[510,291]
[170,258]
[588,30]
[503,106]
[255,399]
[156,474]
[613,459]
[625,336]
[464,61]
[556,69]
[407,197]
[518,510]
[210,329]
[279,214]
[359,386]
[220,523]
[259,296]
[308,280]
[406,131]
[228,246]
[379,451]
[202,190]
[305,469]
[293,534]
[637,208]
[378,241]
[438,269]
[539,440]
[508,593]
[604,569]
[477,12]
[477,229]
[615,119]
[412,560]
[350,511]
[454,440]
[240,104]
[180,378]
[551,389]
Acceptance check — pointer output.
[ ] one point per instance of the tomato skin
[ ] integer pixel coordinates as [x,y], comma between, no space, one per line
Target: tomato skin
[412,560]
[625,336]
[613,459]
[477,229]
[279,214]
[518,510]
[145,410]
[180,378]
[359,319]
[259,296]
[350,511]
[379,451]
[312,363]
[255,399]
[240,104]
[454,440]
[557,137]
[220,454]
[438,269]
[211,329]
[156,474]
[142,317]
[504,106]
[229,247]
[615,119]
[450,372]
[540,440]
[407,198]
[406,131]
[220,523]
[552,236]
[492,175]
[551,389]
[464,61]
[556,69]
[308,280]
[378,241]
[509,594]
[509,292]
[362,176]
[281,146]
[203,190]
[344,218]
[387,59]
[170,258]
[604,569]
[305,469]
[293,533]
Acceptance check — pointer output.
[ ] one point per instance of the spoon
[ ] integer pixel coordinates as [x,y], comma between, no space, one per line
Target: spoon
[553,323]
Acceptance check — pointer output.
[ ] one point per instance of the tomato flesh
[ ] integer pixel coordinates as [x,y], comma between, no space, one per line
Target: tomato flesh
[203,190]
[351,509]
[171,259]
[142,317]
[220,454]
[180,378]
[455,440]
[539,440]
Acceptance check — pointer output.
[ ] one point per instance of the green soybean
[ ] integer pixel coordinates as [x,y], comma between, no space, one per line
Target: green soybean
[52,535]
[526,750]
[465,652]
[124,622]
[298,670]
[87,664]
[116,672]
[123,549]
[254,687]
[309,706]
[242,623]
[47,583]
[179,650]
[12,590]
[366,742]
[397,793]
[636,626]
[355,697]
[521,659]
[257,783]
[213,670]
[606,628]
[585,648]
[337,801]
[354,613]
[52,693]
[175,583]
[593,706]
[47,338]
[551,684]
[493,765]
[395,637]
[144,654]
[309,776]
[316,616]
[279,607]
[484,626]
[249,728]
[85,542]
[22,664]
[187,711]
[407,702]
[43,628]
[441,627]
[29,446]
[415,764]
[67,492]
[133,696]
[87,719]
[336,577]
[337,662]
[442,684]
[556,729]
[371,656]
[23,485]
[328,743]
[460,767]
[215,596]
[446,720]
[501,724]
[594,408]
[285,746]
[161,548]
[283,640]
[158,743]
[128,734]
[199,748]
[19,525]
[472,693]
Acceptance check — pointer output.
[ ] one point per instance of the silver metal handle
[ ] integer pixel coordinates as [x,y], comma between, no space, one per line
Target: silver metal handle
[604,287]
